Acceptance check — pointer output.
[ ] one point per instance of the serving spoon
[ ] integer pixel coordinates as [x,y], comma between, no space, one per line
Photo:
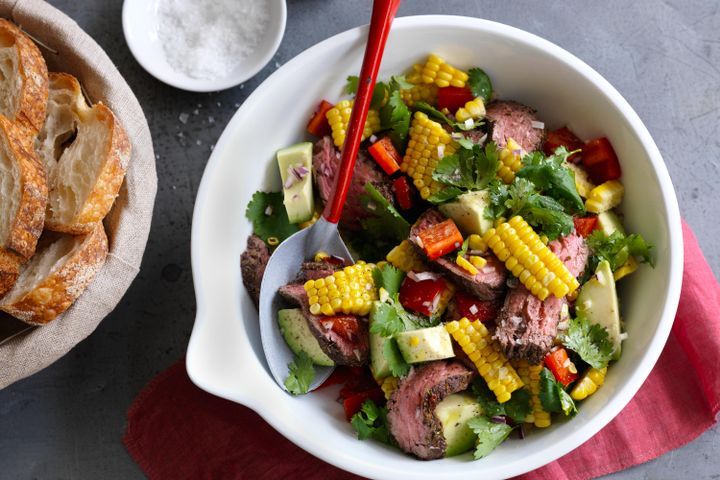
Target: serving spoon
[285,262]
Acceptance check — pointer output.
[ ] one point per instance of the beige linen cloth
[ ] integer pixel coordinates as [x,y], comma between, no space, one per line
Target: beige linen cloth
[127,225]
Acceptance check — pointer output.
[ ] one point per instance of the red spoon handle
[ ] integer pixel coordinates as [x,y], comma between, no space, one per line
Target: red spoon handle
[382,16]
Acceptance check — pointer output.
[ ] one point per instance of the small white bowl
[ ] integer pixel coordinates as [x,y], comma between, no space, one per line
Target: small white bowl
[140,19]
[225,355]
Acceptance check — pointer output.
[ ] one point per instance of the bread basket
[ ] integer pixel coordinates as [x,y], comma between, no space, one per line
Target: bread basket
[67,48]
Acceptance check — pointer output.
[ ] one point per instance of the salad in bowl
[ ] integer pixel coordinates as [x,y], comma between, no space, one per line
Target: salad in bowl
[482,301]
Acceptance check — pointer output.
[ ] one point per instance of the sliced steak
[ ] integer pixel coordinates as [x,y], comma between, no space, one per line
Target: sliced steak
[514,120]
[252,266]
[411,408]
[343,338]
[488,284]
[326,162]
[527,327]
[315,270]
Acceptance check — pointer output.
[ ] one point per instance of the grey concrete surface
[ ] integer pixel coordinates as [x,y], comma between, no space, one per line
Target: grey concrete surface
[663,56]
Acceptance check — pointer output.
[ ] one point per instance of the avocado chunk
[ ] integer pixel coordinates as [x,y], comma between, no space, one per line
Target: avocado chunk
[297,334]
[598,301]
[610,223]
[454,412]
[425,344]
[468,212]
[378,363]
[295,164]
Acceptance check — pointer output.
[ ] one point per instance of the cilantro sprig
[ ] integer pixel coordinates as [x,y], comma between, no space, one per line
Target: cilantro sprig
[301,374]
[489,435]
[435,114]
[551,176]
[468,169]
[517,408]
[590,341]
[553,396]
[267,213]
[371,422]
[384,220]
[617,248]
[480,84]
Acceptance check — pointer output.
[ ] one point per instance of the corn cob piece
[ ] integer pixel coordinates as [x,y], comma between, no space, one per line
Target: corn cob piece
[405,257]
[530,260]
[442,74]
[475,340]
[428,143]
[388,385]
[510,161]
[445,297]
[583,185]
[466,265]
[605,196]
[349,291]
[474,109]
[477,261]
[530,375]
[339,118]
[589,383]
[419,93]
[627,268]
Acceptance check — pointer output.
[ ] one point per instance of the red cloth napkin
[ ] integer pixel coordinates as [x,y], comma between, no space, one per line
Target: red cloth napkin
[177,431]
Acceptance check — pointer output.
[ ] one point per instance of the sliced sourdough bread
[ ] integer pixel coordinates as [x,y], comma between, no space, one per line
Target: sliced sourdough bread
[85,151]
[23,79]
[9,270]
[56,276]
[23,190]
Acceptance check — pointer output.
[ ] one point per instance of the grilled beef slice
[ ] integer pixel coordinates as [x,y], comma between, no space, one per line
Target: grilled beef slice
[252,266]
[514,120]
[326,162]
[488,284]
[527,326]
[343,338]
[411,408]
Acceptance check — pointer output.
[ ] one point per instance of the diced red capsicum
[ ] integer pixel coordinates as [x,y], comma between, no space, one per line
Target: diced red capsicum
[358,388]
[585,225]
[404,193]
[453,98]
[600,161]
[474,309]
[423,296]
[559,364]
[563,137]
[440,239]
[318,124]
[340,375]
[385,154]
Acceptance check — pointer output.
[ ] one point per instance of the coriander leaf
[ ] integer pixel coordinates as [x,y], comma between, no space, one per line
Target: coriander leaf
[445,195]
[371,422]
[269,217]
[518,407]
[464,248]
[396,363]
[465,142]
[301,374]
[469,168]
[384,221]
[590,341]
[384,320]
[617,247]
[379,95]
[553,178]
[480,84]
[490,406]
[399,82]
[389,278]
[553,396]
[395,116]
[351,87]
[489,435]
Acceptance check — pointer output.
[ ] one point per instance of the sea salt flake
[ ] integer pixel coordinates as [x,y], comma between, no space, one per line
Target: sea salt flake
[183,117]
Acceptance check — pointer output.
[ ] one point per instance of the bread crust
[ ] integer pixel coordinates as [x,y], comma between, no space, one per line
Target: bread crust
[28,222]
[34,73]
[59,290]
[9,270]
[116,155]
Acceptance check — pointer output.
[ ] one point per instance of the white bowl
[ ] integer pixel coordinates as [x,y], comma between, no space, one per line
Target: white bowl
[140,19]
[225,355]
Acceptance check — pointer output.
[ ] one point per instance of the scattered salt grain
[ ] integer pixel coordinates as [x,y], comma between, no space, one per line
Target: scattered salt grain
[268,210]
[208,39]
[196,111]
[211,119]
[183,117]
